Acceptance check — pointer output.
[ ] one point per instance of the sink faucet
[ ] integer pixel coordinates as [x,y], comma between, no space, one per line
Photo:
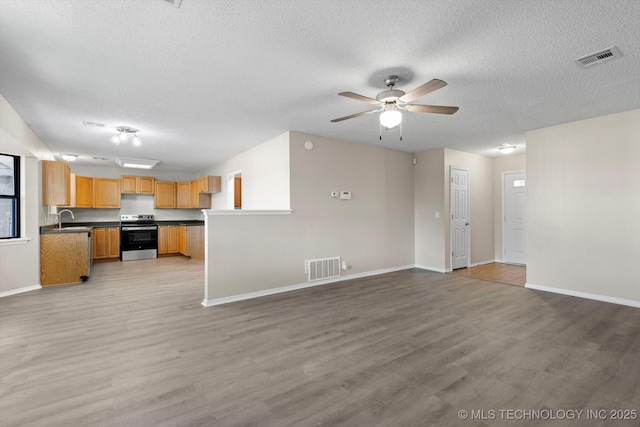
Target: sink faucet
[60,216]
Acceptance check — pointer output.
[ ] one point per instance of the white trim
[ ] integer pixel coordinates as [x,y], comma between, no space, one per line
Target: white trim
[20,290]
[272,291]
[223,212]
[586,295]
[436,269]
[20,241]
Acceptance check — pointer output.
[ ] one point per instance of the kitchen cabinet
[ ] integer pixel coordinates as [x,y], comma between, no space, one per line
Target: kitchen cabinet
[106,242]
[64,258]
[138,184]
[56,183]
[168,240]
[199,200]
[182,240]
[83,192]
[209,184]
[195,241]
[165,197]
[106,193]
[183,195]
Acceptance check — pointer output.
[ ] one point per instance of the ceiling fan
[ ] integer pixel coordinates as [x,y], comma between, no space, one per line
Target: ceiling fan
[392,102]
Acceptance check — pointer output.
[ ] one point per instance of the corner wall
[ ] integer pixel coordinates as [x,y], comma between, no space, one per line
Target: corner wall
[583,206]
[249,253]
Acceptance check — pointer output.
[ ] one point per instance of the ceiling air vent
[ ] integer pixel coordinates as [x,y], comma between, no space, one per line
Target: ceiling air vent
[598,57]
[92,124]
[174,3]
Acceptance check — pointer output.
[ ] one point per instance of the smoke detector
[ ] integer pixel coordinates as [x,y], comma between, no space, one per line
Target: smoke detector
[599,57]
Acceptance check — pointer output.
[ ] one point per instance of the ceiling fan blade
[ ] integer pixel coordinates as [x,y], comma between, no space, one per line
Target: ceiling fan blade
[426,88]
[438,109]
[360,98]
[364,113]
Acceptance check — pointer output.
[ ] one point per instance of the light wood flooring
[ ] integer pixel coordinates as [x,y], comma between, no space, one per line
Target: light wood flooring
[509,274]
[134,347]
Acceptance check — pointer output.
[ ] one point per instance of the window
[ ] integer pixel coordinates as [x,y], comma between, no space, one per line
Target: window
[9,196]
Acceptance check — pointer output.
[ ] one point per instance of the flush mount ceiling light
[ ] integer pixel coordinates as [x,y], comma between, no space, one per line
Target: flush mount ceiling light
[136,163]
[507,148]
[124,135]
[69,157]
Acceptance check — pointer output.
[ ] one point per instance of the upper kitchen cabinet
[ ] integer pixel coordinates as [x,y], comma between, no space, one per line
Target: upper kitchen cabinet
[138,184]
[165,197]
[56,183]
[209,184]
[106,193]
[183,195]
[82,191]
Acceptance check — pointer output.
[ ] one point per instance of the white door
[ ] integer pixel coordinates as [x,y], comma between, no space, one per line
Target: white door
[459,218]
[514,219]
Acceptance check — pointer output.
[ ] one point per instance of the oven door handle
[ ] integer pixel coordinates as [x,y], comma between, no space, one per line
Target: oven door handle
[136,228]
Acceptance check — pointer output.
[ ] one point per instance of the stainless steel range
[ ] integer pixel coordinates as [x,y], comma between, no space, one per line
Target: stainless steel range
[138,237]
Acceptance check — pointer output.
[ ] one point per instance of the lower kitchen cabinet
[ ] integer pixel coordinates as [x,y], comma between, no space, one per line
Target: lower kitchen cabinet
[168,240]
[63,258]
[106,243]
[187,240]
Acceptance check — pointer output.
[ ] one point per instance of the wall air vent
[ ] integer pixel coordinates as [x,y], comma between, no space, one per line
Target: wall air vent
[599,57]
[323,268]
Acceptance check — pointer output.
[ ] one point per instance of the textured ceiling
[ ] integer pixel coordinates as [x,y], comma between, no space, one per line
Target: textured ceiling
[213,78]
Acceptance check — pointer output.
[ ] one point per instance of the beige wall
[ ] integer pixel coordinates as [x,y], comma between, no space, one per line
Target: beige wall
[481,203]
[265,176]
[583,206]
[372,231]
[429,200]
[20,262]
[500,165]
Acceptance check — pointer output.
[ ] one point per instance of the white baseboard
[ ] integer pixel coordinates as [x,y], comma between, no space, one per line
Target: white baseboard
[20,290]
[436,269]
[272,291]
[604,298]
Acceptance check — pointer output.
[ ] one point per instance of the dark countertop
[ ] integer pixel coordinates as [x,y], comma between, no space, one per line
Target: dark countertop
[186,222]
[83,227]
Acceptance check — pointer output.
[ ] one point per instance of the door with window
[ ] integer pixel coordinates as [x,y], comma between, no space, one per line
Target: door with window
[514,234]
[9,196]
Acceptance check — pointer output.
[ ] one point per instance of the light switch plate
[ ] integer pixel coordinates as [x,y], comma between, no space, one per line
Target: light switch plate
[345,195]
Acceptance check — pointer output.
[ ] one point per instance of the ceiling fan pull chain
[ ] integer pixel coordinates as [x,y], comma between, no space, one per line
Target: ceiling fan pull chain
[400,131]
[380,129]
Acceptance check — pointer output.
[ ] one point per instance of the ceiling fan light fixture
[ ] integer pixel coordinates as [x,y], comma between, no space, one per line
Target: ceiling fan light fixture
[69,157]
[136,141]
[115,139]
[390,118]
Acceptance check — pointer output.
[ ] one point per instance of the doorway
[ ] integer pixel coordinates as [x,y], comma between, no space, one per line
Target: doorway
[234,190]
[514,229]
[459,201]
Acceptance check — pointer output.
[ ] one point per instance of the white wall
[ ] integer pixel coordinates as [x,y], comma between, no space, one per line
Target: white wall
[373,231]
[265,176]
[20,262]
[583,205]
[500,165]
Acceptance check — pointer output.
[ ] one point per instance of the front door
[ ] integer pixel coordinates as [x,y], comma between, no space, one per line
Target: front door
[514,218]
[459,218]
